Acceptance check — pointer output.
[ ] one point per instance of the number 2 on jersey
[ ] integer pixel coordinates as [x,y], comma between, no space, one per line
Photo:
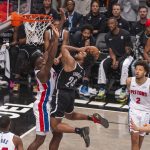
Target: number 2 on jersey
[138,100]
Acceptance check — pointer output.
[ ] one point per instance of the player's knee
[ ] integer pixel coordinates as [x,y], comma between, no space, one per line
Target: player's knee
[135,140]
[57,136]
[40,140]
[69,116]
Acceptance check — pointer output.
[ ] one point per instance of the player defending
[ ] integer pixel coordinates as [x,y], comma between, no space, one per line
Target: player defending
[63,100]
[7,139]
[46,77]
[139,113]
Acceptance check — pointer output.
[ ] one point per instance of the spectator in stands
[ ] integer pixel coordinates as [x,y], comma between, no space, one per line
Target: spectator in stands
[129,10]
[142,45]
[8,140]
[122,23]
[139,26]
[109,4]
[10,37]
[82,39]
[94,18]
[85,37]
[48,10]
[73,19]
[119,44]
[147,42]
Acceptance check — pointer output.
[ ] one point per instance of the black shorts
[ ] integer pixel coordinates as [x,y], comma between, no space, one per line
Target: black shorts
[62,102]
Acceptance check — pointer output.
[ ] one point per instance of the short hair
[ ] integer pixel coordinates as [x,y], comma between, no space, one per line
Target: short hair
[141,7]
[116,4]
[4,122]
[88,27]
[34,57]
[93,1]
[71,1]
[88,61]
[144,64]
[112,18]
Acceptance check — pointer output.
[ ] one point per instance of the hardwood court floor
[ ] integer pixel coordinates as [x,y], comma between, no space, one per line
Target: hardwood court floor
[116,137]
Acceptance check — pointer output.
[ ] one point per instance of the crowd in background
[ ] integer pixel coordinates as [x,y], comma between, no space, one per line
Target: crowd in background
[120,29]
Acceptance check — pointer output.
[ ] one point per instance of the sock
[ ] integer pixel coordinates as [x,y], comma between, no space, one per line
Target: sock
[85,83]
[78,130]
[89,118]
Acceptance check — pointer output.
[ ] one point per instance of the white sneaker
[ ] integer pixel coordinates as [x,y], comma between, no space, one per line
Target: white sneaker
[3,82]
[92,91]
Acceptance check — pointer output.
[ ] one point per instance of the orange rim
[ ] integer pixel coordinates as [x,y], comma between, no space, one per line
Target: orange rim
[18,19]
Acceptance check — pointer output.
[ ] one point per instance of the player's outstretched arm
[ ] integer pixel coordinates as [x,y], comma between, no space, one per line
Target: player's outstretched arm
[18,143]
[49,56]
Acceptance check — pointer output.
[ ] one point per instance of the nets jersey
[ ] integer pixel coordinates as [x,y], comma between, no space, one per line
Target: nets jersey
[140,95]
[68,80]
[6,141]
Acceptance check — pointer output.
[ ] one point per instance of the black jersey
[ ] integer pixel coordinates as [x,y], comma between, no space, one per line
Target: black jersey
[123,38]
[68,80]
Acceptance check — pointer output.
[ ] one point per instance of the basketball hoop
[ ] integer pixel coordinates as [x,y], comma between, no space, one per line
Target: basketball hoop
[35,25]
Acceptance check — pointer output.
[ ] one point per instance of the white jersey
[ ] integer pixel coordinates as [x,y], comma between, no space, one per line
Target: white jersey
[140,95]
[41,106]
[45,90]
[6,141]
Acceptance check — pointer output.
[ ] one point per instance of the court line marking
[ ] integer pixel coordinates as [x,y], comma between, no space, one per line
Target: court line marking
[100,109]
[29,131]
[23,135]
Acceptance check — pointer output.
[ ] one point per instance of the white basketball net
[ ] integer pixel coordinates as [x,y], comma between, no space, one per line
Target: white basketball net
[35,31]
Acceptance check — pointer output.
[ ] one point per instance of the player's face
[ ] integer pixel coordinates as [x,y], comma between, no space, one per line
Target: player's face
[139,72]
[40,62]
[47,3]
[116,11]
[86,34]
[112,24]
[80,55]
[143,13]
[95,7]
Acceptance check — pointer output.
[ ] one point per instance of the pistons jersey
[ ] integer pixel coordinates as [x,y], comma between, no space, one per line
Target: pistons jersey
[68,80]
[140,95]
[6,141]
[45,90]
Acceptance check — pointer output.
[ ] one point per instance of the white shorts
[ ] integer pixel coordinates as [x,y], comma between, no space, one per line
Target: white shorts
[42,116]
[140,118]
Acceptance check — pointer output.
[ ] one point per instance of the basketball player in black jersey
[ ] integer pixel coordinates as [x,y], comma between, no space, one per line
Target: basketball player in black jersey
[64,95]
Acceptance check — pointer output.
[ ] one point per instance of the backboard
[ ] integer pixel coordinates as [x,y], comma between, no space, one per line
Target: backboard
[9,6]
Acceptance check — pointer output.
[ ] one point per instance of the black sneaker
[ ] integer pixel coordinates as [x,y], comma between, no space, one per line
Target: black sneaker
[85,134]
[99,119]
